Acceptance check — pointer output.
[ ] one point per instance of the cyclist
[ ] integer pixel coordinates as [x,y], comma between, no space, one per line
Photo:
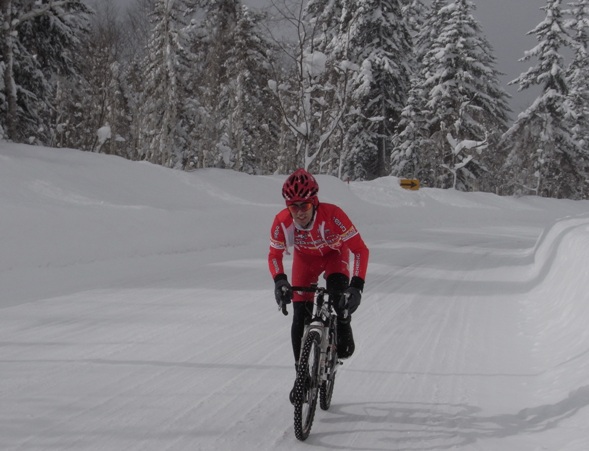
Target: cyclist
[324,239]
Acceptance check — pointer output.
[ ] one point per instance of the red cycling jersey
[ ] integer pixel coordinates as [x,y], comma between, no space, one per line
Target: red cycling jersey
[331,231]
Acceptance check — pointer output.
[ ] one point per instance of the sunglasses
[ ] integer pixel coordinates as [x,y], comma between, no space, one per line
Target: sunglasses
[303,207]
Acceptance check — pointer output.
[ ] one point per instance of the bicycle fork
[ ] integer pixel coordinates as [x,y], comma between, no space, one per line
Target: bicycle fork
[321,329]
[327,349]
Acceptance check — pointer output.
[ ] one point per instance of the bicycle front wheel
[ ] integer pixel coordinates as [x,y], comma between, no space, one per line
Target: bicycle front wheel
[307,386]
[326,388]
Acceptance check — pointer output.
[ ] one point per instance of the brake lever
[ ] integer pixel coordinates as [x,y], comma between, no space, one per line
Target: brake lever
[282,306]
[346,311]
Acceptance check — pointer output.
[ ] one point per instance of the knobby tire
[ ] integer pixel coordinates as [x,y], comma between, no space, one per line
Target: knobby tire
[307,386]
[326,389]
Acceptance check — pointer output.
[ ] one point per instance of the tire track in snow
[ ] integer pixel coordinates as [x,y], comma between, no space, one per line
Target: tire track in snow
[430,382]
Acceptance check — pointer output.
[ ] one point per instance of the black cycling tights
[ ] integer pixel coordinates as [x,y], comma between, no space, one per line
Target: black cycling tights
[302,312]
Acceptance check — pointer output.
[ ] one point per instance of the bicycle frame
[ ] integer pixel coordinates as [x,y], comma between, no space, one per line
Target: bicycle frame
[323,319]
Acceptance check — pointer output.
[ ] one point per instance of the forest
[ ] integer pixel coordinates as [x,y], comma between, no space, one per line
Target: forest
[357,89]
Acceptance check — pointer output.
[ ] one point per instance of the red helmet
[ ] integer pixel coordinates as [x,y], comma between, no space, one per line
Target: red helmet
[300,186]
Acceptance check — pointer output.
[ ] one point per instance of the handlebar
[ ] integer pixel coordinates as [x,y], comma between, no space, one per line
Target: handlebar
[316,289]
[321,290]
[310,289]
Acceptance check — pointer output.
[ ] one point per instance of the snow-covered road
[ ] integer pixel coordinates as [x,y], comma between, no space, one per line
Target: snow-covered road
[136,313]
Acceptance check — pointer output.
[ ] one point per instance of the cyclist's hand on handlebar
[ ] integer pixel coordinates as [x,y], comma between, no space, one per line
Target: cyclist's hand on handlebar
[353,295]
[282,290]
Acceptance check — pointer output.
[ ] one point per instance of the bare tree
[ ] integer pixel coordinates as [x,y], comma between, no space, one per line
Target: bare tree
[312,94]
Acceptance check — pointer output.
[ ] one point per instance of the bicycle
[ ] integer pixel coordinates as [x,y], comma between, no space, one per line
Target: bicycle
[318,362]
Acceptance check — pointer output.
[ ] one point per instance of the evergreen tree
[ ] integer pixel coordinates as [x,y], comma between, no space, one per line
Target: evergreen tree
[161,128]
[414,12]
[464,98]
[233,114]
[380,44]
[323,19]
[412,155]
[220,22]
[434,19]
[544,158]
[253,130]
[578,76]
[210,45]
[102,104]
[136,30]
[409,158]
[39,43]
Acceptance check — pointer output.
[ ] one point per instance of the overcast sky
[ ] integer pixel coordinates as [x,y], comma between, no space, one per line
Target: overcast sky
[506,24]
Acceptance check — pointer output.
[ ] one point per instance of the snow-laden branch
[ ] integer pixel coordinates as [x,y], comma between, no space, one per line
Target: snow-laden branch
[42,10]
[457,148]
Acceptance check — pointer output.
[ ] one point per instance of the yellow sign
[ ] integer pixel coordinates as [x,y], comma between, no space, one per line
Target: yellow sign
[412,184]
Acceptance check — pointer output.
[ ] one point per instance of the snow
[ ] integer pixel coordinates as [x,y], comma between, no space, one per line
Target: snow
[104,133]
[314,63]
[137,313]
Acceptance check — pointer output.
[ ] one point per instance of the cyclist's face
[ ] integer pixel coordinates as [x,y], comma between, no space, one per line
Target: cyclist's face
[301,212]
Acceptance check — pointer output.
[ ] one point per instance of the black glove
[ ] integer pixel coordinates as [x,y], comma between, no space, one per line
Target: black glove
[354,294]
[282,290]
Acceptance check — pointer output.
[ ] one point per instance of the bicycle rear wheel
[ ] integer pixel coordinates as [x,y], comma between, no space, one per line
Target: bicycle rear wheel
[307,386]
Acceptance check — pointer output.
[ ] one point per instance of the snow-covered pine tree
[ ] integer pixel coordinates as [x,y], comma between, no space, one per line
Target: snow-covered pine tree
[136,32]
[544,158]
[252,111]
[210,43]
[38,43]
[102,103]
[463,92]
[323,19]
[414,12]
[220,22]
[408,158]
[432,21]
[160,129]
[578,76]
[380,45]
[233,114]
[424,150]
